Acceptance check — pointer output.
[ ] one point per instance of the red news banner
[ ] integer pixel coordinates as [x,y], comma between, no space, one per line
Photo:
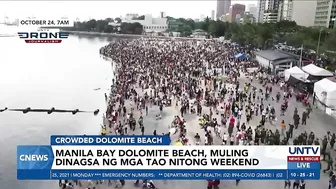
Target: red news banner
[303,159]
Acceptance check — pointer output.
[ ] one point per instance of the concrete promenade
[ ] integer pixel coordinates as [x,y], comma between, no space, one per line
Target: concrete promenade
[319,123]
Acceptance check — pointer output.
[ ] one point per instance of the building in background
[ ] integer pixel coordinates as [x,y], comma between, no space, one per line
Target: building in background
[268,9]
[253,9]
[325,13]
[213,15]
[272,4]
[149,23]
[223,7]
[200,34]
[276,61]
[236,9]
[173,24]
[260,11]
[303,12]
[286,10]
[270,16]
[163,15]
[225,18]
[246,18]
[130,16]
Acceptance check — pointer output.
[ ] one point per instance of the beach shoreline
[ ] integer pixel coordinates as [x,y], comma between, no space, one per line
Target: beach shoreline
[99,34]
[133,36]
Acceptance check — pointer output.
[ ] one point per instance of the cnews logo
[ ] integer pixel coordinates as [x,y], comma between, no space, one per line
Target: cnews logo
[33,157]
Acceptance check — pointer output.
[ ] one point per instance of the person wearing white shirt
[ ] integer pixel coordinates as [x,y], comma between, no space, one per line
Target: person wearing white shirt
[208,129]
[217,130]
[239,114]
[225,138]
[232,140]
[128,116]
[281,85]
[90,184]
[236,109]
[238,134]
[241,142]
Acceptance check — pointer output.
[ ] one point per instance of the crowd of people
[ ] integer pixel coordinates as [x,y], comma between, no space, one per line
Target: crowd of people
[231,99]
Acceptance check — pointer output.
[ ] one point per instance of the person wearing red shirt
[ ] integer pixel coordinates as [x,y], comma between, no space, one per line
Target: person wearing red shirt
[210,184]
[232,121]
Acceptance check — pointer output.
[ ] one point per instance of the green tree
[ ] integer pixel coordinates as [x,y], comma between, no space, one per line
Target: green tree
[91,25]
[293,40]
[233,28]
[187,30]
[109,20]
[258,35]
[101,25]
[137,28]
[212,28]
[191,23]
[220,28]
[205,24]
[108,29]
[118,20]
[198,25]
[286,26]
[265,37]
[331,41]
[238,38]
[131,28]
[250,34]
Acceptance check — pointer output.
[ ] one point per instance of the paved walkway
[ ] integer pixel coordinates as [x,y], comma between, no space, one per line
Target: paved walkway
[319,123]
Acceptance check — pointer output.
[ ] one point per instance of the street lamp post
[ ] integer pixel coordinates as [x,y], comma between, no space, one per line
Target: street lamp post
[300,63]
[318,45]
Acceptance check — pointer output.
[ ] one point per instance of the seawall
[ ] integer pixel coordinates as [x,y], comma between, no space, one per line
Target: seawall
[98,34]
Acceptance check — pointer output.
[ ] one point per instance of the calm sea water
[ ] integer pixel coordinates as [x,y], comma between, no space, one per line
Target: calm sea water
[63,76]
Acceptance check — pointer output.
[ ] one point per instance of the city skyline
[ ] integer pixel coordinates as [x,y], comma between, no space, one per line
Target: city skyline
[223,7]
[103,9]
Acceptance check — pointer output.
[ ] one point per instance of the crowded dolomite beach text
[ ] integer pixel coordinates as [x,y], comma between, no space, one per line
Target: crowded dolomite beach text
[107,140]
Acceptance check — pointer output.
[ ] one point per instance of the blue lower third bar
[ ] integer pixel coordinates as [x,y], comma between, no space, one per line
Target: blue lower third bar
[152,174]
[303,165]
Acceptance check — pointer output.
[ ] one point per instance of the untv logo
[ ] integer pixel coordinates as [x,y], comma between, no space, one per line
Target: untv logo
[309,150]
[43,36]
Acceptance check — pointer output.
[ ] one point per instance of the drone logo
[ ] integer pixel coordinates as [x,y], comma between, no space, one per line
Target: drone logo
[43,36]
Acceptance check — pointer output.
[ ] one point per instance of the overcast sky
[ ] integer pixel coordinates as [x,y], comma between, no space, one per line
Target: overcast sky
[104,9]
